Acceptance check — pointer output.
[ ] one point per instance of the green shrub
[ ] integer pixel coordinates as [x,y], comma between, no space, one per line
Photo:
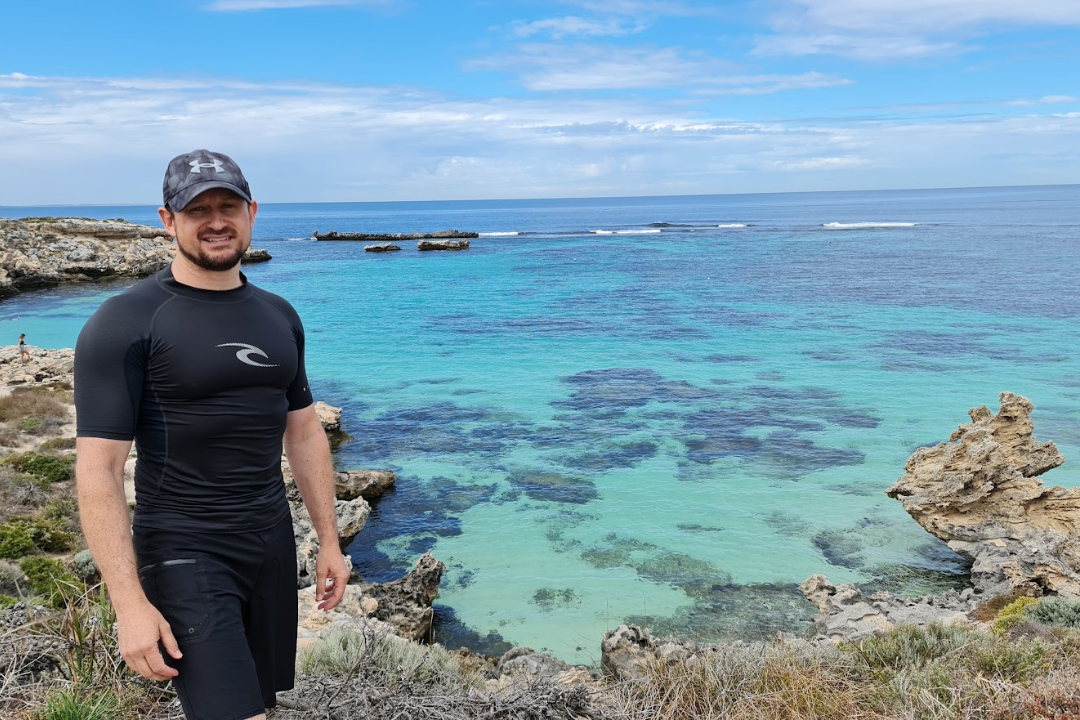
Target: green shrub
[1054,610]
[1012,614]
[911,646]
[15,540]
[7,601]
[44,469]
[50,579]
[59,443]
[73,704]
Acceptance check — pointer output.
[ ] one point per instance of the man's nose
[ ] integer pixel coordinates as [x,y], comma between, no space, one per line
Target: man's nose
[217,219]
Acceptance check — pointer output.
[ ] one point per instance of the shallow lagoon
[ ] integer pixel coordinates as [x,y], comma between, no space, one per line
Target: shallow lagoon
[673,424]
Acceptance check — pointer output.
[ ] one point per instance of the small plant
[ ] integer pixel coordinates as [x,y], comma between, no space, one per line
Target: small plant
[1012,614]
[1058,611]
[16,540]
[75,704]
[7,601]
[44,469]
[50,579]
[58,443]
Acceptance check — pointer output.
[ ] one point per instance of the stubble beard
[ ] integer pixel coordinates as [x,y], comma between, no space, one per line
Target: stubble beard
[216,263]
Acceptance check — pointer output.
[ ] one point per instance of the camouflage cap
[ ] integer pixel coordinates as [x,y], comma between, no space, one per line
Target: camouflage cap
[198,171]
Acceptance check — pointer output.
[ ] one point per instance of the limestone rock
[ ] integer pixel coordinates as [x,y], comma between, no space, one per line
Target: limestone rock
[848,616]
[980,493]
[627,652]
[329,416]
[382,247]
[351,516]
[442,245]
[45,366]
[255,255]
[406,603]
[368,484]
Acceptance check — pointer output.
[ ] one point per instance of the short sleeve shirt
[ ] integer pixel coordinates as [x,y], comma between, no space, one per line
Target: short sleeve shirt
[203,382]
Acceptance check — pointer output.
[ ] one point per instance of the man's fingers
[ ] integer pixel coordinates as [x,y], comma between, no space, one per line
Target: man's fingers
[169,642]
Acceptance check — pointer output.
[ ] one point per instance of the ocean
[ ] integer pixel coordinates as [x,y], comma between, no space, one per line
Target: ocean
[661,410]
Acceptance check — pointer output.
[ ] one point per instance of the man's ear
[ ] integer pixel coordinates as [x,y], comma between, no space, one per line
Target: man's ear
[168,220]
[253,207]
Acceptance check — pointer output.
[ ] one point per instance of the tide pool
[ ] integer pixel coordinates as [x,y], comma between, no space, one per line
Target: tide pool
[662,410]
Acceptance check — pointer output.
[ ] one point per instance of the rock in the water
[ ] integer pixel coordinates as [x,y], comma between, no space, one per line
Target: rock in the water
[406,603]
[368,484]
[382,247]
[442,245]
[329,416]
[256,255]
[980,493]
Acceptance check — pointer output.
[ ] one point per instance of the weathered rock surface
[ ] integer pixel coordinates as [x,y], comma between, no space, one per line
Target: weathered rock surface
[382,247]
[847,615]
[45,366]
[442,245]
[44,252]
[390,237]
[627,652]
[368,484]
[329,416]
[980,493]
[406,603]
[255,255]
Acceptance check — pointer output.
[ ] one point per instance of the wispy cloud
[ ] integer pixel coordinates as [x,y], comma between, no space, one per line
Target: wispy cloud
[572,25]
[1045,100]
[901,29]
[553,67]
[250,5]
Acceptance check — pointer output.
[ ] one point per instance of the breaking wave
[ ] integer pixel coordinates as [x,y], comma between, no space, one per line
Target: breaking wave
[864,225]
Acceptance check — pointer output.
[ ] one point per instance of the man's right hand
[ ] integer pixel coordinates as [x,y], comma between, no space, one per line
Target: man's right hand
[140,629]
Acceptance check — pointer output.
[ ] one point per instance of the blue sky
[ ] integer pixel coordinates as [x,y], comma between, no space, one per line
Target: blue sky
[355,100]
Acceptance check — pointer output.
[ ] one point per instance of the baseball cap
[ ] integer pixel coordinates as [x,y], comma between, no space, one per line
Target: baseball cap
[198,171]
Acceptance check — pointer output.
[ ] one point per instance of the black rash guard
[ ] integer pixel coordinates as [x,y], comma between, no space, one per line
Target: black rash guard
[203,381]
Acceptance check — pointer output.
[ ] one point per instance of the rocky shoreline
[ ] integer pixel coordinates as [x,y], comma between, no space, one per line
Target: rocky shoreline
[45,252]
[979,492]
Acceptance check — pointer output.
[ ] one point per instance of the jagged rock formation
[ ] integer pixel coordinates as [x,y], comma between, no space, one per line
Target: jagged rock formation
[382,247]
[442,245]
[980,493]
[406,603]
[45,366]
[389,237]
[255,255]
[43,252]
[627,652]
[847,615]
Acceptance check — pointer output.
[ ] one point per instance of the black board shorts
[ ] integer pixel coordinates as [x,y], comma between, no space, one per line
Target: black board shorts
[230,599]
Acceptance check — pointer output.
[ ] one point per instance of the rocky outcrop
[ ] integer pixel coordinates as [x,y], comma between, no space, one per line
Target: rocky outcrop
[442,245]
[848,616]
[45,366]
[382,247]
[42,252]
[980,493]
[368,484]
[391,237]
[406,603]
[256,255]
[628,652]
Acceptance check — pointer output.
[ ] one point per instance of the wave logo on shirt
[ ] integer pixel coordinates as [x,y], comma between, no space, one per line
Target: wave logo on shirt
[246,351]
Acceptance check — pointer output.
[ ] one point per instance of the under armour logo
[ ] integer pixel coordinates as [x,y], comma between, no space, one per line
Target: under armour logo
[196,166]
[246,351]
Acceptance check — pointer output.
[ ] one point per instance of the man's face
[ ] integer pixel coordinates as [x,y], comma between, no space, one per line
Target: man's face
[214,230]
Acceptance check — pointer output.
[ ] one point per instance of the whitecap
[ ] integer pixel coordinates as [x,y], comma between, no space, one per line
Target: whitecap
[863,225]
[733,225]
[651,231]
[499,234]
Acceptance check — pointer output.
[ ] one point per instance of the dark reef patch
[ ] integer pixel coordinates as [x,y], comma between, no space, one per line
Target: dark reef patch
[727,612]
[450,632]
[555,487]
[696,528]
[612,456]
[547,599]
[730,359]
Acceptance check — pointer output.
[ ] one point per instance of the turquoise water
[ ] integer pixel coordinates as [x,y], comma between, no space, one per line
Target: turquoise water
[673,421]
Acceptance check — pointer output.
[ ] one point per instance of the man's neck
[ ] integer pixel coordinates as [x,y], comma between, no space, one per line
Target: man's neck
[190,274]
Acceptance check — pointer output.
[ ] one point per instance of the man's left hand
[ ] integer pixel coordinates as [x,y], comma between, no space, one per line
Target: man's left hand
[331,576]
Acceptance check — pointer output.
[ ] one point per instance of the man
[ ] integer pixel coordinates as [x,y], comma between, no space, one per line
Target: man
[206,373]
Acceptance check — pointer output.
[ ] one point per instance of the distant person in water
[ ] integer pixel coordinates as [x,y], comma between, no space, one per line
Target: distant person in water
[24,354]
[205,372]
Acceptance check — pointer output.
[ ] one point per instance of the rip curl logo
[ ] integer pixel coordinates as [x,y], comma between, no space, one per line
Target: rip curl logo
[246,351]
[196,166]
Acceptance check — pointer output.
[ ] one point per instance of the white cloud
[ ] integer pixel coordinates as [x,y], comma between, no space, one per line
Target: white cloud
[550,67]
[572,25]
[901,29]
[1045,100]
[248,5]
[73,140]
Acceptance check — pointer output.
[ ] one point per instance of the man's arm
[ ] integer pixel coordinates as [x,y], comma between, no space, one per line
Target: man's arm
[99,476]
[309,457]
